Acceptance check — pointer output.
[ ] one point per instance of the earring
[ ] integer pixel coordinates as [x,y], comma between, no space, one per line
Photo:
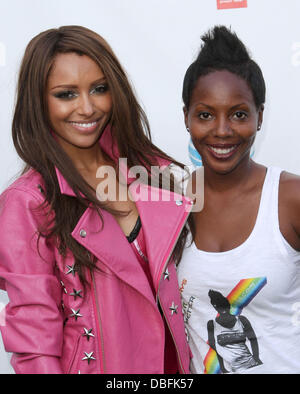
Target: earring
[259,127]
[188,130]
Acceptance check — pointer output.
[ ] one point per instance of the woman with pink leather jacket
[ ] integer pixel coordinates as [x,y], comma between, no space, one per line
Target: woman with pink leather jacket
[90,274]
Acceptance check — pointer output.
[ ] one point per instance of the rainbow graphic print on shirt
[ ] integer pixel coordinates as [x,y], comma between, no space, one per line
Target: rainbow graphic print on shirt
[242,294]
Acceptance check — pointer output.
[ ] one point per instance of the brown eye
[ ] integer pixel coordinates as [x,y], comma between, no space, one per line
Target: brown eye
[240,115]
[100,89]
[204,115]
[65,95]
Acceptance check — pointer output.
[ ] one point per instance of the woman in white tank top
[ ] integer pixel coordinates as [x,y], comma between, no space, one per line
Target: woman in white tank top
[240,277]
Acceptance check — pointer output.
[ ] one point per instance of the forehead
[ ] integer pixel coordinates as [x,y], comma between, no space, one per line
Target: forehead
[71,68]
[221,88]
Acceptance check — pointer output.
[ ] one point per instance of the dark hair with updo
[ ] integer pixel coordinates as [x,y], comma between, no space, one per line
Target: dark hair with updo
[223,50]
[216,298]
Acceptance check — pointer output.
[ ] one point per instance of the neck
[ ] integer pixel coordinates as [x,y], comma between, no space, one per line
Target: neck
[90,159]
[87,159]
[226,320]
[237,178]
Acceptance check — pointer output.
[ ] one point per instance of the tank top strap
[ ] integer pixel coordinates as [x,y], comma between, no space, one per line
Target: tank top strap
[268,208]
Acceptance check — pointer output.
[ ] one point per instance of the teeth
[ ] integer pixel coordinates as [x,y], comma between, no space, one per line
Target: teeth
[221,151]
[86,125]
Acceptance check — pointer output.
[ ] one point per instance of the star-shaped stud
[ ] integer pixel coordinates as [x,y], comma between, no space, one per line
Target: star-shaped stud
[88,333]
[75,314]
[173,308]
[88,357]
[166,274]
[71,269]
[76,293]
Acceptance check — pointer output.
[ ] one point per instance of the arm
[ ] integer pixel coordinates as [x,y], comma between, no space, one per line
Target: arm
[289,208]
[250,334]
[33,326]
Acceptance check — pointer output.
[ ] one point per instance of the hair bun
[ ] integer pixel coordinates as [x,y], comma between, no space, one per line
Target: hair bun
[221,45]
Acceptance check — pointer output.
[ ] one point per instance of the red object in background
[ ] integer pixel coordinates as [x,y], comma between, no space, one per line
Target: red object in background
[225,4]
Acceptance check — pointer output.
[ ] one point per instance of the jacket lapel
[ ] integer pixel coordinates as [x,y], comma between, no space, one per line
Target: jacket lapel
[163,215]
[109,244]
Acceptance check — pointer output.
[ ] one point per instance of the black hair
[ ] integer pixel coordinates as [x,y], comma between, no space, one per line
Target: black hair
[223,50]
[216,298]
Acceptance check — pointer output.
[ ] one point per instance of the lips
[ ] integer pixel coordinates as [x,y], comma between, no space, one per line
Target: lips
[86,127]
[223,151]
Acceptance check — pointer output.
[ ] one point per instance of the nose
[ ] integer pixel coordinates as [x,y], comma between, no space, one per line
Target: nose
[222,127]
[85,105]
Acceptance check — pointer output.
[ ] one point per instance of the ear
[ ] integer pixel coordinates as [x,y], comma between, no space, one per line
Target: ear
[260,116]
[185,112]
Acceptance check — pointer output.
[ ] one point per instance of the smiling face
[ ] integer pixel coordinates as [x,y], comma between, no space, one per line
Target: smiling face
[79,101]
[223,120]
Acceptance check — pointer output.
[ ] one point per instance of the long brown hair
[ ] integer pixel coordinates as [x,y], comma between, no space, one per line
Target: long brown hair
[39,150]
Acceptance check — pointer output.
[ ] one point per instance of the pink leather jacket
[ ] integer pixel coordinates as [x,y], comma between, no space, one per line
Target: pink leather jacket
[116,325]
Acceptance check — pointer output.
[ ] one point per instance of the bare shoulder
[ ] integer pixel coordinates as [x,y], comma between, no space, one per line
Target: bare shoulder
[289,205]
[290,187]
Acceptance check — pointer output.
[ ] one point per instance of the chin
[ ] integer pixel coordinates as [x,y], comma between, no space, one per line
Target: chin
[222,168]
[86,144]
[84,141]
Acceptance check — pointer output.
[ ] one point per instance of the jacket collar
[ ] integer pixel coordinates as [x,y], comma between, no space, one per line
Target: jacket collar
[162,223]
[163,217]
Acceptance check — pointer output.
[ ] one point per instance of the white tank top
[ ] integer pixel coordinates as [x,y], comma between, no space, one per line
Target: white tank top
[242,306]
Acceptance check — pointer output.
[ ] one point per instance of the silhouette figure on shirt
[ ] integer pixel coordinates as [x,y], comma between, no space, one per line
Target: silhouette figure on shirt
[227,335]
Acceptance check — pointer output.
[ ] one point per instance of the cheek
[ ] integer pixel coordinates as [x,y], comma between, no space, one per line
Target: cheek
[249,130]
[199,131]
[198,144]
[58,111]
[198,128]
[105,103]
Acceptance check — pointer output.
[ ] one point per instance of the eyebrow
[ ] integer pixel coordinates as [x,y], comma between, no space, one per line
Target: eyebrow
[235,106]
[204,105]
[70,86]
[240,105]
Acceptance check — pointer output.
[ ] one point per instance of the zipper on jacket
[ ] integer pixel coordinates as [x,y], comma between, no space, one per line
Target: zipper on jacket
[99,324]
[166,260]
[157,295]
[177,351]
